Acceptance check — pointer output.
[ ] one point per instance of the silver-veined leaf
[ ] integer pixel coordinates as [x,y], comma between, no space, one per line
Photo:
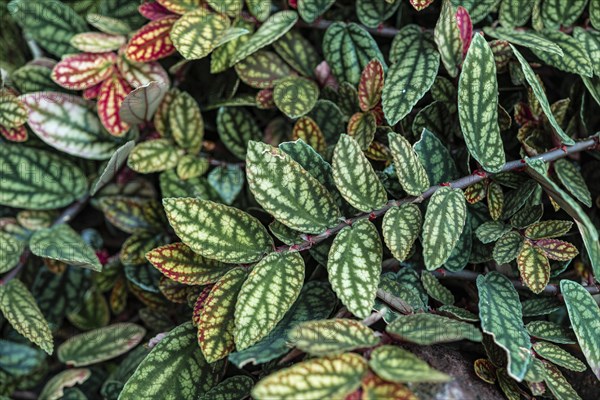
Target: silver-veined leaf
[426,329]
[401,226]
[197,33]
[310,10]
[574,58]
[154,156]
[395,364]
[525,38]
[410,171]
[295,96]
[570,177]
[236,127]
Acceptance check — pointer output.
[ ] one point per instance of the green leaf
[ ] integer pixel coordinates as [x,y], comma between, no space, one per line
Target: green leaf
[318,378]
[311,10]
[217,231]
[34,78]
[491,231]
[495,198]
[37,180]
[447,38]
[187,126]
[558,385]
[478,106]
[435,158]
[354,266]
[100,344]
[50,23]
[458,313]
[574,58]
[227,181]
[236,128]
[395,364]
[412,74]
[11,251]
[269,292]
[197,33]
[533,267]
[590,41]
[62,243]
[153,156]
[348,48]
[556,249]
[190,167]
[550,331]
[179,263]
[540,306]
[315,302]
[501,316]
[331,336]
[525,38]
[515,12]
[477,9]
[355,178]
[216,324]
[595,14]
[444,222]
[540,95]
[234,388]
[20,309]
[585,319]
[426,329]
[259,8]
[19,359]
[272,29]
[114,164]
[435,289]
[329,118]
[558,356]
[298,52]
[570,177]
[174,369]
[507,247]
[557,13]
[284,189]
[262,70]
[548,229]
[221,57]
[295,96]
[372,13]
[410,171]
[401,226]
[92,313]
[132,214]
[54,388]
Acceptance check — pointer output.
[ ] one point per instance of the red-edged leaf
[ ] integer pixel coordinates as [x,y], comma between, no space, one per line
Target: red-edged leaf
[370,85]
[200,302]
[307,129]
[264,99]
[475,193]
[420,4]
[14,134]
[92,92]
[180,6]
[465,27]
[82,71]
[557,249]
[153,11]
[152,41]
[110,98]
[138,74]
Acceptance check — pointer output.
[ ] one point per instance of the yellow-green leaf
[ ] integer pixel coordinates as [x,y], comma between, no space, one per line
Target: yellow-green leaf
[395,364]
[410,171]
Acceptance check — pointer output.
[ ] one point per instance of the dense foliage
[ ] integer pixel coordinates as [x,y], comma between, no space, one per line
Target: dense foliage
[207,199]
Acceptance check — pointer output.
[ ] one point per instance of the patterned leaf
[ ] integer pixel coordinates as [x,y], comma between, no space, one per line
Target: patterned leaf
[558,385]
[186,123]
[362,127]
[227,181]
[138,74]
[556,13]
[558,356]
[222,56]
[175,368]
[62,243]
[508,247]
[260,9]
[548,229]
[14,134]
[371,85]
[410,171]
[110,99]
[13,112]
[595,14]
[153,156]
[141,103]
[270,290]
[272,29]
[348,48]
[426,329]
[54,388]
[540,95]
[447,38]
[97,42]
[236,387]
[412,74]
[315,302]
[491,231]
[435,289]
[92,313]
[216,323]
[236,128]
[330,378]
[197,33]
[295,96]
[501,316]
[355,178]
[50,23]
[152,42]
[373,13]
[298,52]
[311,10]
[354,266]
[180,6]
[132,214]
[20,309]
[570,177]
[533,267]
[584,315]
[12,248]
[540,306]
[574,58]
[485,370]
[395,364]
[66,123]
[179,263]
[556,249]
[262,70]
[276,181]
[401,226]
[217,231]
[100,344]
[331,337]
[550,331]
[515,12]
[308,131]
[444,222]
[376,388]
[435,158]
[458,313]
[478,104]
[525,38]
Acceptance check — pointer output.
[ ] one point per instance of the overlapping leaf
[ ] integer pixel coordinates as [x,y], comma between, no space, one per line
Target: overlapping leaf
[426,329]
[525,38]
[558,385]
[186,123]
[152,42]
[262,70]
[410,171]
[533,267]
[570,177]
[574,58]
[556,13]
[507,247]
[310,10]
[401,226]
[55,387]
[197,33]
[12,248]
[295,96]
[447,38]
[298,52]
[558,356]
[395,364]
[111,95]
[551,332]
[153,156]
[236,387]
[236,128]
[435,289]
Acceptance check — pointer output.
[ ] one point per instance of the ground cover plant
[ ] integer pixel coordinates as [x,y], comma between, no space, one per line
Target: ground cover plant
[311,199]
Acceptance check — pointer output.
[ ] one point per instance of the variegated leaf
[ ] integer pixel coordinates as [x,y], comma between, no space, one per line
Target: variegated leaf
[556,13]
[152,42]
[262,70]
[310,10]
[548,229]
[533,267]
[97,42]
[395,364]
[308,131]
[435,158]
[295,96]
[574,58]
[556,249]
[111,95]
[558,385]
[558,356]
[186,123]
[426,329]
[551,332]
[515,12]
[508,247]
[570,177]
[362,126]
[13,112]
[447,38]
[298,52]
[197,33]
[435,289]
[410,171]
[401,226]
[371,85]
[153,156]
[236,128]
[526,38]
